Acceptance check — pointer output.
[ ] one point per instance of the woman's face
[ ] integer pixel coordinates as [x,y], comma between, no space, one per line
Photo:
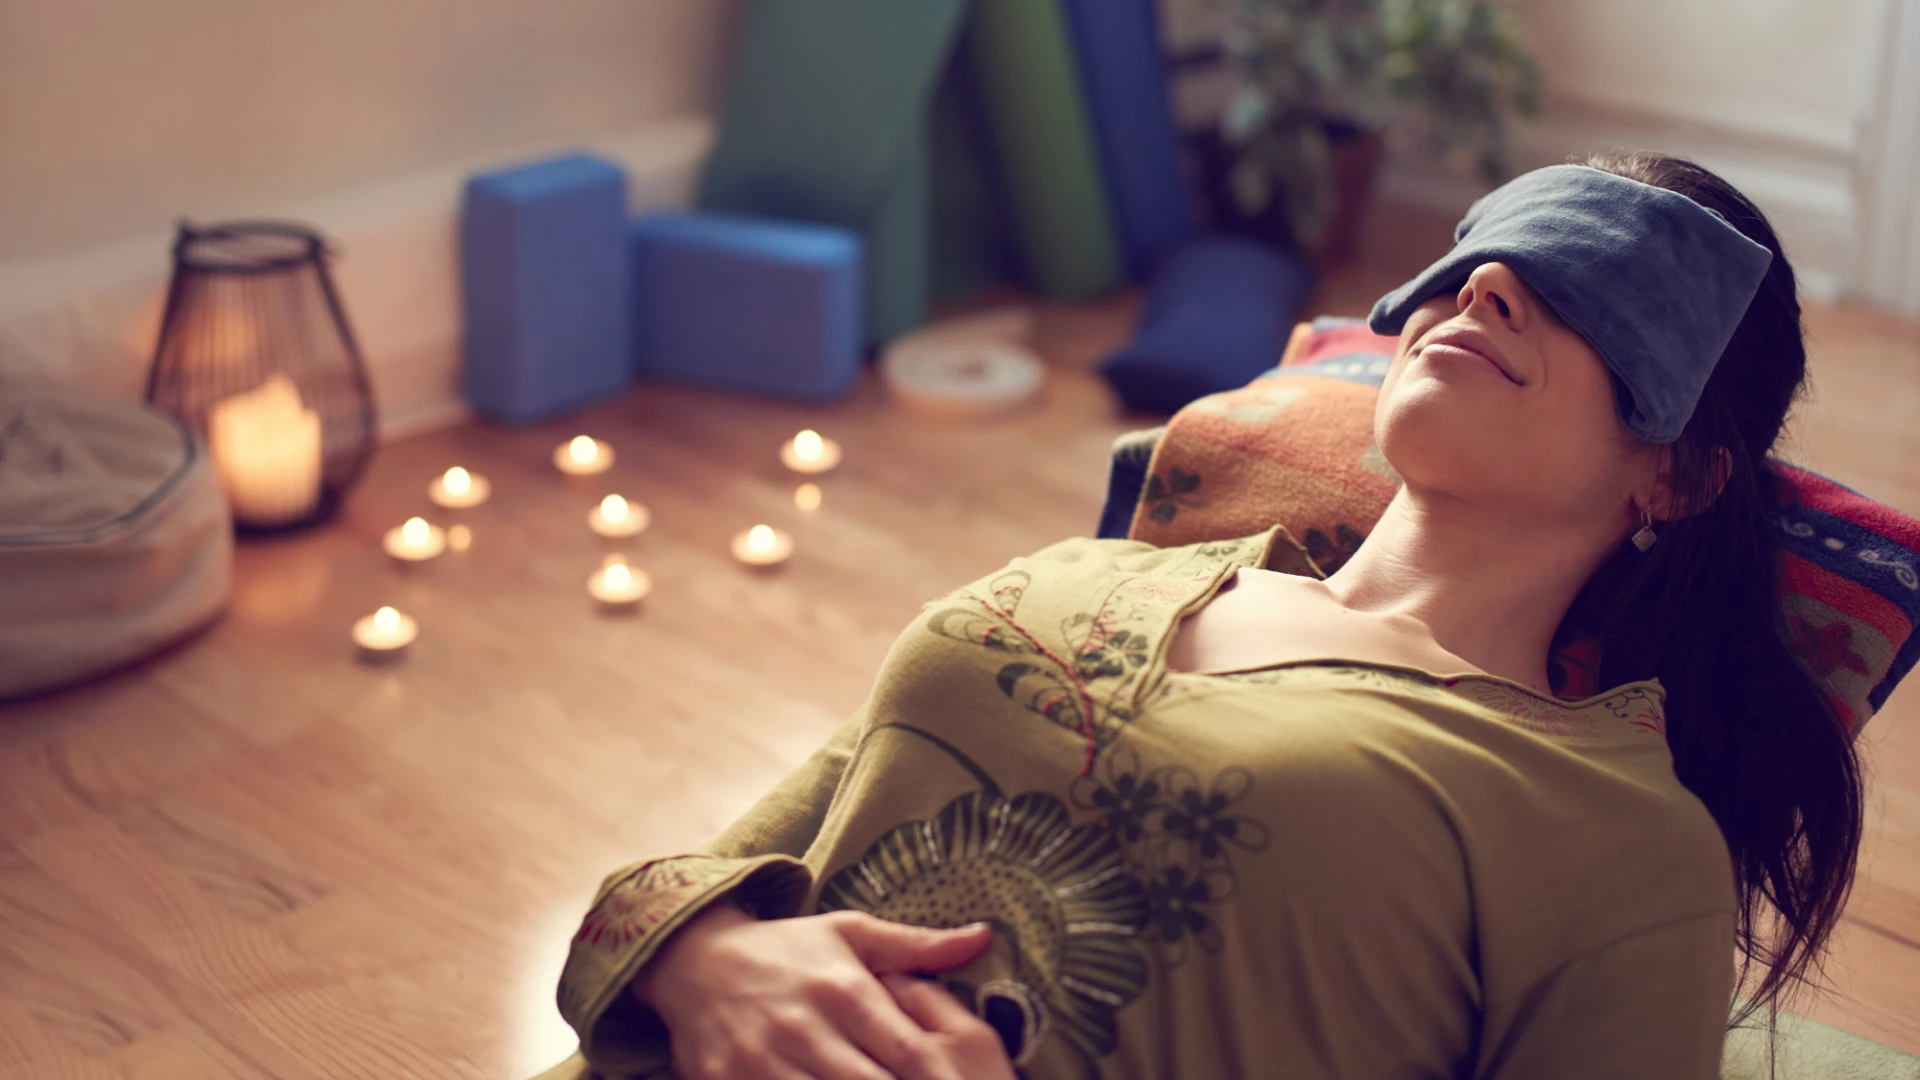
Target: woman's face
[1495,401]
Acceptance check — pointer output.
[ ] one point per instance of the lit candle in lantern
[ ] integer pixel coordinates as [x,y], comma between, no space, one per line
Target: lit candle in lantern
[617,518]
[416,541]
[810,452]
[619,587]
[762,547]
[583,455]
[384,635]
[266,451]
[458,489]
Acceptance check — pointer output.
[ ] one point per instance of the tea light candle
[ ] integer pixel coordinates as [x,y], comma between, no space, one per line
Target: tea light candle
[416,541]
[810,452]
[807,497]
[458,489]
[616,518]
[619,587]
[266,451]
[583,456]
[384,635]
[762,547]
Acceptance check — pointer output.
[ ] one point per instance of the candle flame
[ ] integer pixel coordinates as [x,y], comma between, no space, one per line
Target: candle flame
[760,538]
[583,449]
[807,497]
[386,620]
[457,481]
[613,508]
[415,532]
[808,445]
[618,577]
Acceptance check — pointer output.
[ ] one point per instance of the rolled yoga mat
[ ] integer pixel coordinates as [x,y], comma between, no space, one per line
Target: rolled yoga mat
[1022,61]
[1123,80]
[824,120]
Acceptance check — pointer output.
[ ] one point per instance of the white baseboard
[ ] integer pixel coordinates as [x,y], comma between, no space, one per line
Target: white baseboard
[91,318]
[1806,192]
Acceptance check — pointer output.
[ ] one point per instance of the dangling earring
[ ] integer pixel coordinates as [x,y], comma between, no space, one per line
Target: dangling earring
[1646,536]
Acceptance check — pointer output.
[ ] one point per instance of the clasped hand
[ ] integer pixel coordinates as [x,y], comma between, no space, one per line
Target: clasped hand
[820,997]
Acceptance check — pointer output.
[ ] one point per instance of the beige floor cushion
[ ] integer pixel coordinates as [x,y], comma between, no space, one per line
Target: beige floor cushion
[114,536]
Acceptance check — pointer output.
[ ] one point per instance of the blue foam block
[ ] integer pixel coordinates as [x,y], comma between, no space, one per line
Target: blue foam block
[1218,314]
[769,307]
[1123,79]
[543,283]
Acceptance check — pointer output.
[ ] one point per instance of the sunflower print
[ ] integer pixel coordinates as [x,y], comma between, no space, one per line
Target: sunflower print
[1060,894]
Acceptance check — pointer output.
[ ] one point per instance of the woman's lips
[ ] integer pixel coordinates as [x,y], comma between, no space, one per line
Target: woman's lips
[1459,353]
[1461,343]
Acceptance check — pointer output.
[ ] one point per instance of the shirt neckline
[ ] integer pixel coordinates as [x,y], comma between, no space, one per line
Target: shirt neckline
[1536,710]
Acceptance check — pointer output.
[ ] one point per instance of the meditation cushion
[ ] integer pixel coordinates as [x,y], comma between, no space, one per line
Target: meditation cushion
[1296,447]
[114,536]
[543,287]
[768,307]
[1215,316]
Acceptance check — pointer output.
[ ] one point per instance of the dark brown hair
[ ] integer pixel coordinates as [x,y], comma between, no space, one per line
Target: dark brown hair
[1753,736]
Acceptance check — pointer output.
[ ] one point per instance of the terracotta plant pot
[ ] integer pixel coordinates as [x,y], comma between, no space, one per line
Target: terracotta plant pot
[1356,160]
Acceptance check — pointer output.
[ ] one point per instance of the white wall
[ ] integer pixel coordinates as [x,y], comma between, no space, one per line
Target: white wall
[360,117]
[1788,70]
[1771,94]
[118,116]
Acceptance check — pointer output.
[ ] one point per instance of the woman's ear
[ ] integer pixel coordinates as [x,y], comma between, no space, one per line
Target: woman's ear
[1667,503]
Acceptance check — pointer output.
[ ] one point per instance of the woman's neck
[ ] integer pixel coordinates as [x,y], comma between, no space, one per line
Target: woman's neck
[1489,590]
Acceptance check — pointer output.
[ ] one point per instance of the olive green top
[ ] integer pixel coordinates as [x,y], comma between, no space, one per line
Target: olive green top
[1314,869]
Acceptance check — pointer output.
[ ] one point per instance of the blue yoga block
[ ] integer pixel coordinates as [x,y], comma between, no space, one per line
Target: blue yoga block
[769,307]
[543,282]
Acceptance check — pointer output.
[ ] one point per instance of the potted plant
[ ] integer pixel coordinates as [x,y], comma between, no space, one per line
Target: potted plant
[1321,82]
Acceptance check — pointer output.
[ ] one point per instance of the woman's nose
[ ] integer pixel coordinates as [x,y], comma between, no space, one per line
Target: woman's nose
[1496,289]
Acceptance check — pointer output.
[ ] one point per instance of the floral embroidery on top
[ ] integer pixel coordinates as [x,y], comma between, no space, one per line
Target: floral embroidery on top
[1059,893]
[637,905]
[1087,686]
[1179,837]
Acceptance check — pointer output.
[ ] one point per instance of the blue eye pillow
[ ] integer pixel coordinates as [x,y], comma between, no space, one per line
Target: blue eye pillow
[1654,281]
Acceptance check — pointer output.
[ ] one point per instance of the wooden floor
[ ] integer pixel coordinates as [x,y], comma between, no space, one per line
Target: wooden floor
[256,857]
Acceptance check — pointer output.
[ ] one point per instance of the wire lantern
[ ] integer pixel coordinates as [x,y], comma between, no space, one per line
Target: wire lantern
[256,355]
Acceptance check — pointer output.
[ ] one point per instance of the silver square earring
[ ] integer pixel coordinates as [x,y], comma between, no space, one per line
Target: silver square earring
[1646,536]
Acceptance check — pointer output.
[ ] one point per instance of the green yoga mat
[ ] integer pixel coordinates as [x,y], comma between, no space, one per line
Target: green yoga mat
[825,119]
[972,242]
[1022,62]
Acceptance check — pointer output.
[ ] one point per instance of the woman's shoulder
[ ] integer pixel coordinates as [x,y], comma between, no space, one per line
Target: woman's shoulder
[1272,548]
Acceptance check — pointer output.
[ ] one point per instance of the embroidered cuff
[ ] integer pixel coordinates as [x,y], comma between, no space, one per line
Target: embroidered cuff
[634,915]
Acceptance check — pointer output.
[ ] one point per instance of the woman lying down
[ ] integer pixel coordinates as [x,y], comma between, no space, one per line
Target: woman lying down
[1125,811]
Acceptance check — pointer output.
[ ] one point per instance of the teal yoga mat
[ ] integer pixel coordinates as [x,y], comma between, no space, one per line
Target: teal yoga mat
[972,245]
[824,120]
[1022,62]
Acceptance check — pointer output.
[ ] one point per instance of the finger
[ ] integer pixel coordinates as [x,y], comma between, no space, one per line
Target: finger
[878,1027]
[930,1005]
[831,1057]
[765,1066]
[885,946]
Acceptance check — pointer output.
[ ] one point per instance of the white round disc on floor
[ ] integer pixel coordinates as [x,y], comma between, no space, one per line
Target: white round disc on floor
[961,378]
